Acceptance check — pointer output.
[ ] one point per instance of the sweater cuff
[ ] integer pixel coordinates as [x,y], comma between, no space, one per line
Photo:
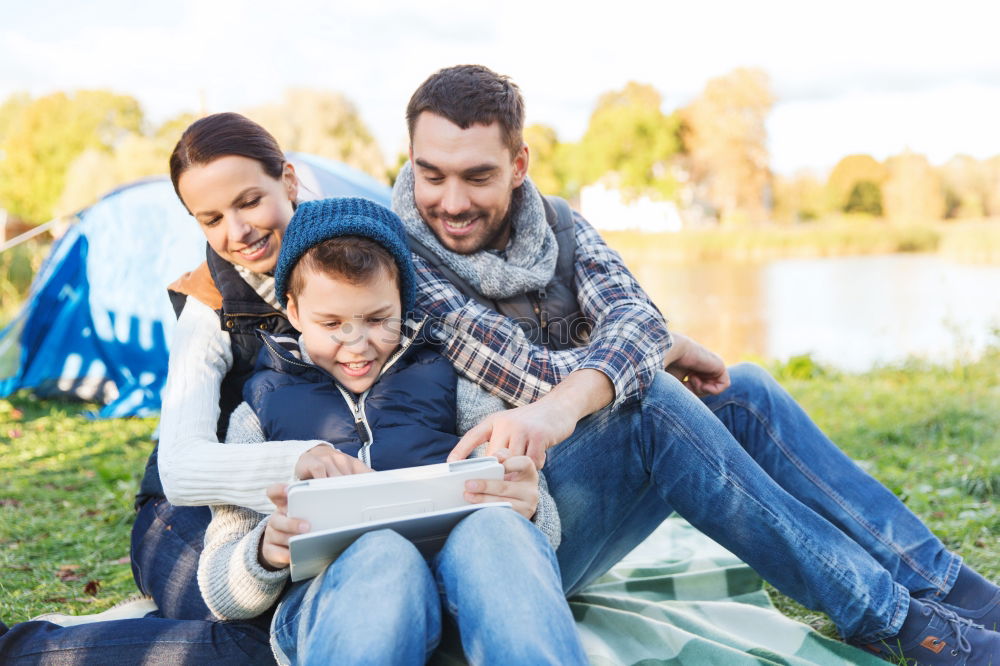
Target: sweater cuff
[546,517]
[250,545]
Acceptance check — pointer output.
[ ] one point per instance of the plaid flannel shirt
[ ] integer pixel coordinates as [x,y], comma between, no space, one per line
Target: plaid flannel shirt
[627,343]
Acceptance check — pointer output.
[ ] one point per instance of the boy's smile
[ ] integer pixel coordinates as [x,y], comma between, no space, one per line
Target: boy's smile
[349,330]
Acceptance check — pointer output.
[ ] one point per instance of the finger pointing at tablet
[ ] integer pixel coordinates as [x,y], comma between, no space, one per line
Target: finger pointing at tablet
[324,461]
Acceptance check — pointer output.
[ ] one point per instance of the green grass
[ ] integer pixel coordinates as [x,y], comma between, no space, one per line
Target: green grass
[931,434]
[66,506]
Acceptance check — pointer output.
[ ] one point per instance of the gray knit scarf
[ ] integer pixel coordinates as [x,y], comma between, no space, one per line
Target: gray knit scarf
[531,254]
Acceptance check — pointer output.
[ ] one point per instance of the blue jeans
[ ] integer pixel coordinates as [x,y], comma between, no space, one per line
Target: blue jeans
[141,641]
[750,470]
[166,544]
[380,601]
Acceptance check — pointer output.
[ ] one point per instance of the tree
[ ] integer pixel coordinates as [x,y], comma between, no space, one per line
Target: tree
[800,198]
[545,164]
[95,172]
[846,175]
[726,138]
[323,123]
[912,192]
[629,135]
[9,111]
[47,134]
[966,187]
[866,198]
[992,175]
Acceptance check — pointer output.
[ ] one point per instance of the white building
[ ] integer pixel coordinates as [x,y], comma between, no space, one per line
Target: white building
[606,209]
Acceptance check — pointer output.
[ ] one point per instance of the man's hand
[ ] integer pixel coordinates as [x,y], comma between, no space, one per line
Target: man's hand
[519,485]
[702,371]
[525,431]
[273,553]
[532,429]
[323,461]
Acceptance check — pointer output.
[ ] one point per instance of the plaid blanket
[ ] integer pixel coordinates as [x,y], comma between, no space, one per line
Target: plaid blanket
[680,598]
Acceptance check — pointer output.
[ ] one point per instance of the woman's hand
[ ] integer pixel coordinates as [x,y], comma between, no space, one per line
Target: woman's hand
[323,461]
[273,553]
[519,485]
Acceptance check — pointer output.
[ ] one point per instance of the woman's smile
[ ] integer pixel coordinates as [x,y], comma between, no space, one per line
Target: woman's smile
[257,250]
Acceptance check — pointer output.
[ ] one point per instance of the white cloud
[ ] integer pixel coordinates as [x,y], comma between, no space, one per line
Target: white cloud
[939,123]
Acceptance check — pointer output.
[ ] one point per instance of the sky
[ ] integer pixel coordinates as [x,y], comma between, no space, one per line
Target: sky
[853,76]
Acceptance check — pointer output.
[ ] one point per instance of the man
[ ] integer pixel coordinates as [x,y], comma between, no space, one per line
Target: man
[581,352]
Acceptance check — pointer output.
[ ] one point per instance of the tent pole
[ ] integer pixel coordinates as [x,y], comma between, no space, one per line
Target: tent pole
[27,235]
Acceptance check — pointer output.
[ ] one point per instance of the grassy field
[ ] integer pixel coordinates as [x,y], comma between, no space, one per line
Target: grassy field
[932,434]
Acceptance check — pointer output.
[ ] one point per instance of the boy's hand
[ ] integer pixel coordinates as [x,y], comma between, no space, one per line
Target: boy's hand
[273,553]
[519,485]
[324,461]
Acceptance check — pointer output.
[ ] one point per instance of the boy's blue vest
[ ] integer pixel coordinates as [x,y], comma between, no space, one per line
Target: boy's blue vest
[407,417]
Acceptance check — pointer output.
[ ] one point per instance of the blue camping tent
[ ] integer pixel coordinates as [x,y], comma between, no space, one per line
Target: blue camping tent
[97,321]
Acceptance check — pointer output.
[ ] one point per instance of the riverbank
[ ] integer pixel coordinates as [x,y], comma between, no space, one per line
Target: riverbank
[930,433]
[972,241]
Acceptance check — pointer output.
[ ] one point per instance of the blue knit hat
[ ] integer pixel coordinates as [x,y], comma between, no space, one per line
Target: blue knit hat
[323,219]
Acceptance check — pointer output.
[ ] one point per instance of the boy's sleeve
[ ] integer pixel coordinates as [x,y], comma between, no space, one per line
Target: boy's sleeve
[546,516]
[233,583]
[473,404]
[244,426]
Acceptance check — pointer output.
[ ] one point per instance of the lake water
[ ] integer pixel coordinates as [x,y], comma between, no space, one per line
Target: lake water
[850,312]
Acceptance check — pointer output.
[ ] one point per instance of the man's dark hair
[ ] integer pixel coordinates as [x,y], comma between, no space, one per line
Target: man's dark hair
[354,259]
[471,95]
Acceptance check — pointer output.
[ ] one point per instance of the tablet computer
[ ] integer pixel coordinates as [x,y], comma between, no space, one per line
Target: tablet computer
[421,503]
[314,551]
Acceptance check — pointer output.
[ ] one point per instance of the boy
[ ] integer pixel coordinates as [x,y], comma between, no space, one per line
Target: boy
[360,378]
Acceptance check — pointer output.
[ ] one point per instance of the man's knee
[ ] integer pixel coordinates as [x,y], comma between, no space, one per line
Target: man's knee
[669,395]
[751,379]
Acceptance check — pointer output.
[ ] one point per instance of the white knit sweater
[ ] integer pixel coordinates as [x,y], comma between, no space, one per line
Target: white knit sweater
[195,468]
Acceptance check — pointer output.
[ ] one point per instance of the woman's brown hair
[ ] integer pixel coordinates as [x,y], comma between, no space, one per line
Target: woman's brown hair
[222,134]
